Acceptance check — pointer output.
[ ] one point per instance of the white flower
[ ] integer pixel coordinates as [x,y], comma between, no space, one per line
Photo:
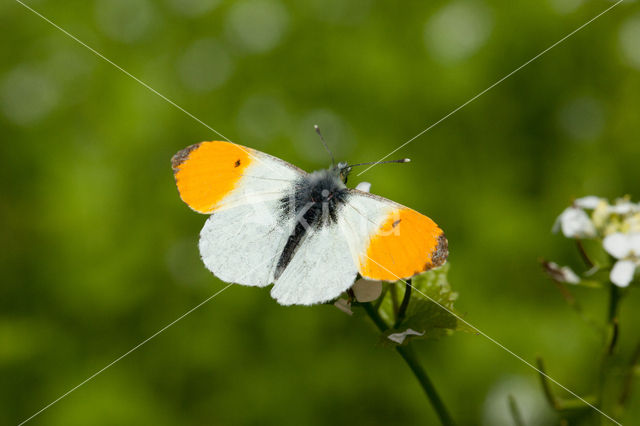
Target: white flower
[624,206]
[363,186]
[562,274]
[633,223]
[589,202]
[625,248]
[575,223]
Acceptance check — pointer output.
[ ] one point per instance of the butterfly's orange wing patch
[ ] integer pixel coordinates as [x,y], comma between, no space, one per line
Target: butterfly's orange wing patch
[206,172]
[405,244]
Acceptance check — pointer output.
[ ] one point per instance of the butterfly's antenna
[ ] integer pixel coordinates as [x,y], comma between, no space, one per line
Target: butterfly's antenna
[317,129]
[402,160]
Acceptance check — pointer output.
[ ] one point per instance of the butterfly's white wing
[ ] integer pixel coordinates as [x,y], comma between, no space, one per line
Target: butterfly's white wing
[241,188]
[320,270]
[242,245]
[373,236]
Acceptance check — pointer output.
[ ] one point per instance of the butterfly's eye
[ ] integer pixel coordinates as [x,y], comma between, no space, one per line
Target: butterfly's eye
[344,173]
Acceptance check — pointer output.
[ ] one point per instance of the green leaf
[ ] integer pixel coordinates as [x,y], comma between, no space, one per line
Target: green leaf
[426,313]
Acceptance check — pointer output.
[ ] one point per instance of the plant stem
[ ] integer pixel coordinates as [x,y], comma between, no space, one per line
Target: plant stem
[628,380]
[614,298]
[405,303]
[584,254]
[409,357]
[611,338]
[515,411]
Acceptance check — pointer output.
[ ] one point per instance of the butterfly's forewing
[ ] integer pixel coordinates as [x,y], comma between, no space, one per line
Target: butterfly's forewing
[214,175]
[241,187]
[389,241]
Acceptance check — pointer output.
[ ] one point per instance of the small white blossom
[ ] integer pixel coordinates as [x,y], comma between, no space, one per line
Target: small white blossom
[633,223]
[575,223]
[623,207]
[562,274]
[363,186]
[589,202]
[625,248]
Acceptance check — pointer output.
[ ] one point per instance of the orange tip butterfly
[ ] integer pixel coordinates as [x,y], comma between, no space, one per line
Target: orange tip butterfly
[307,233]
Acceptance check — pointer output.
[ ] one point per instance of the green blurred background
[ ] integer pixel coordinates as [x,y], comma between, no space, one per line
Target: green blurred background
[99,252]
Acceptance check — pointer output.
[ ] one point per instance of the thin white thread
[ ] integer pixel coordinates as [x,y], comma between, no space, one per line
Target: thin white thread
[493,85]
[400,147]
[500,345]
[144,341]
[124,355]
[100,55]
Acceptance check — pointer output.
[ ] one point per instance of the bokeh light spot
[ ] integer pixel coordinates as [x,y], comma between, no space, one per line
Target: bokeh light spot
[630,40]
[27,95]
[193,8]
[257,25]
[582,118]
[124,20]
[529,399]
[565,6]
[205,65]
[261,118]
[457,31]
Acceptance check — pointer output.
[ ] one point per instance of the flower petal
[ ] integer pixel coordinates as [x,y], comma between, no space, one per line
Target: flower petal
[617,245]
[632,222]
[623,206]
[561,274]
[589,202]
[622,272]
[634,242]
[364,186]
[366,291]
[575,223]
[399,337]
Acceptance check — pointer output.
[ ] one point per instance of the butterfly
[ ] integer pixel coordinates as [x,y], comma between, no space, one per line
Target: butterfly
[307,233]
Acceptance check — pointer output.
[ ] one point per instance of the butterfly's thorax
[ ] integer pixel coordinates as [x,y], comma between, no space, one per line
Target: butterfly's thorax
[314,202]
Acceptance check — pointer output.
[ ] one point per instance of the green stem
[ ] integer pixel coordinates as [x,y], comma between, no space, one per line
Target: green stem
[584,254]
[610,341]
[515,411]
[403,306]
[628,380]
[409,357]
[614,298]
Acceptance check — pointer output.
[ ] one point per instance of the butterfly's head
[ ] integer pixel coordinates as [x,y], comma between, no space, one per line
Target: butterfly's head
[341,171]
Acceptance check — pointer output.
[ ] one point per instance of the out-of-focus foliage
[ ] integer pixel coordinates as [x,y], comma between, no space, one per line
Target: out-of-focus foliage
[99,252]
